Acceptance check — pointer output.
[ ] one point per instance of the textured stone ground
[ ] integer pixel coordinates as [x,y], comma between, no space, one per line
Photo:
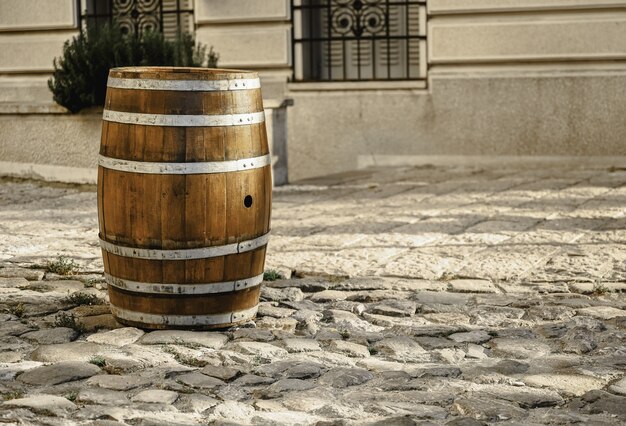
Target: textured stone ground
[428,295]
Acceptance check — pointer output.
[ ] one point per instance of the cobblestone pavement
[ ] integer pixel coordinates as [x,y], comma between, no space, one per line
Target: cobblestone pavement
[428,295]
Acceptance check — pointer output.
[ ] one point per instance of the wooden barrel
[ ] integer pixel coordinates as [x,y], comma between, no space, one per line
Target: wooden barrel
[184,196]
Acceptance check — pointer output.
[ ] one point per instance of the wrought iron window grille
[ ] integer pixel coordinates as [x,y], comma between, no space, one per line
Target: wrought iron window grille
[358,40]
[171,17]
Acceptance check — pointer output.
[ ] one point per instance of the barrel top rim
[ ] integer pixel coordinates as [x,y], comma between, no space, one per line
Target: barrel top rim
[181,73]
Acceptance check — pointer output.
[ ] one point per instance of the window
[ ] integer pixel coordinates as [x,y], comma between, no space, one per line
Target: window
[171,17]
[356,40]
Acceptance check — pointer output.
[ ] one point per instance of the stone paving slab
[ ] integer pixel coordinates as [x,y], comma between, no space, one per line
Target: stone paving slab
[413,295]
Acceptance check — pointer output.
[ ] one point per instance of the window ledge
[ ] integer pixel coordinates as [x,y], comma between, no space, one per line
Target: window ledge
[357,85]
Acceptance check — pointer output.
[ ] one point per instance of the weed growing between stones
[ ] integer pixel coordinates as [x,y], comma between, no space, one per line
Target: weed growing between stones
[71,396]
[599,288]
[61,266]
[97,360]
[89,283]
[68,320]
[14,394]
[272,275]
[17,310]
[79,299]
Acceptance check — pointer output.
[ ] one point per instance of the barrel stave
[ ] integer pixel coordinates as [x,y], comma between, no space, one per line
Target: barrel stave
[184,211]
[183,103]
[167,304]
[197,271]
[182,144]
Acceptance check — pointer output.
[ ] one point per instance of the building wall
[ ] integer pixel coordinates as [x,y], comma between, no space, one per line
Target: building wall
[506,78]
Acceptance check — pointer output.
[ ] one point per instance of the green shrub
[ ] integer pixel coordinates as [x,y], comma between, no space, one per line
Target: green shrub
[80,74]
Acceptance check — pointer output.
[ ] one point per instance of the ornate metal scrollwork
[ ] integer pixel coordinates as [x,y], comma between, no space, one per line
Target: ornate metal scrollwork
[137,16]
[358,18]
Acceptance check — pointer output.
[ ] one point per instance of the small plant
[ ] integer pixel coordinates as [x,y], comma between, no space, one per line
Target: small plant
[62,266]
[69,321]
[97,360]
[72,395]
[272,275]
[14,394]
[17,310]
[79,299]
[91,282]
[599,288]
[447,276]
[345,334]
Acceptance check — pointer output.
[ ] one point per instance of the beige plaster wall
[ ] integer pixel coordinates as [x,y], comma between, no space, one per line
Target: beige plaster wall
[247,33]
[59,139]
[32,33]
[31,52]
[557,36]
[27,15]
[254,11]
[539,115]
[246,46]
